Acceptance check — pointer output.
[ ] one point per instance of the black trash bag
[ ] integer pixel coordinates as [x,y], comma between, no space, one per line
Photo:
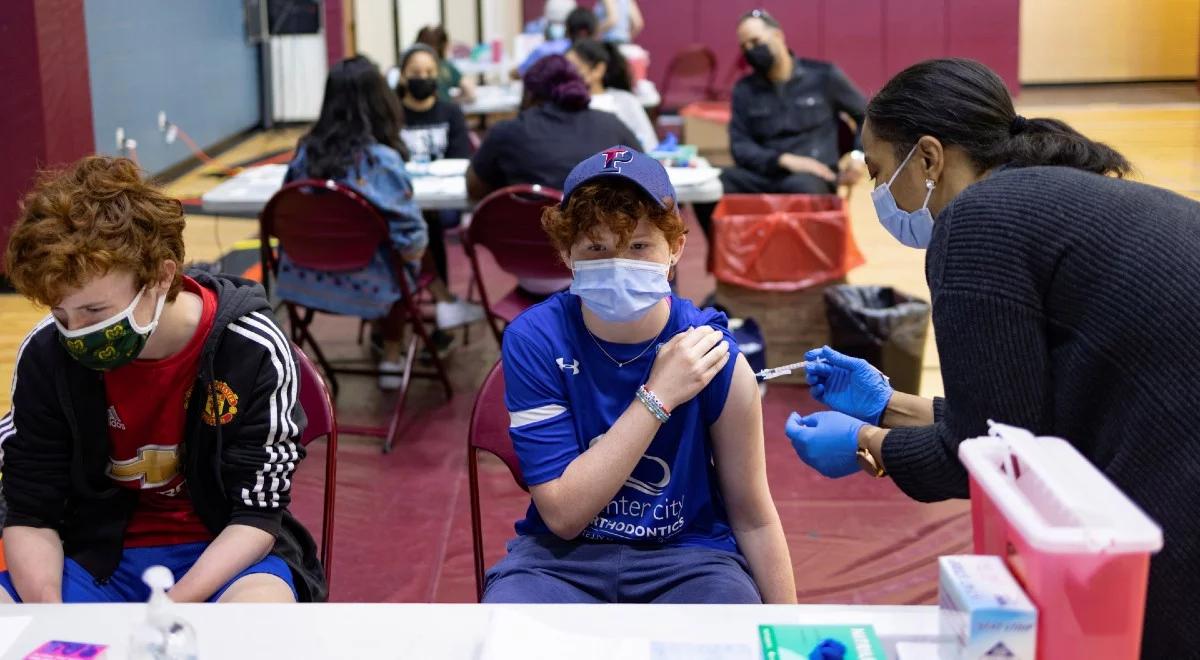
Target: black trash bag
[882,326]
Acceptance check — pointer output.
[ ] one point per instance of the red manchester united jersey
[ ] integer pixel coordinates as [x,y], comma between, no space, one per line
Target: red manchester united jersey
[147,416]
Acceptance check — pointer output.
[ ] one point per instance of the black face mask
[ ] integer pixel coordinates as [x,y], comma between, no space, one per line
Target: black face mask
[760,58]
[421,88]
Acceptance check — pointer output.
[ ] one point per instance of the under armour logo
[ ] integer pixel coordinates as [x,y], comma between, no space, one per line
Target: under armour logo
[614,156]
[573,366]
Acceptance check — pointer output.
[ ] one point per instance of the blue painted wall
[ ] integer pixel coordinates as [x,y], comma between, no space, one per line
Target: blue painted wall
[187,57]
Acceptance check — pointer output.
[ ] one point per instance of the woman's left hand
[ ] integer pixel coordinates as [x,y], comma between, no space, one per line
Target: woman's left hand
[826,441]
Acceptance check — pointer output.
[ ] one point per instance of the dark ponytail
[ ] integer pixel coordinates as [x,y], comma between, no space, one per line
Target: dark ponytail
[616,73]
[965,104]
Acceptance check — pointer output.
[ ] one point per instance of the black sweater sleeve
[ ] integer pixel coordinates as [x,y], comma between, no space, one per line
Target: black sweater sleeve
[36,443]
[1008,381]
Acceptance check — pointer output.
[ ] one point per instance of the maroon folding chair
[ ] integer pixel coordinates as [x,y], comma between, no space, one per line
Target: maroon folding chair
[691,76]
[318,408]
[488,432]
[508,223]
[325,226]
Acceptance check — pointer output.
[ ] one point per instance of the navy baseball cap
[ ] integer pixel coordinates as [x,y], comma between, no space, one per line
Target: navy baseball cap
[624,162]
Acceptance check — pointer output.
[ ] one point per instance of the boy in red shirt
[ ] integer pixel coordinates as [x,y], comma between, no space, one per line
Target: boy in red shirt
[154,416]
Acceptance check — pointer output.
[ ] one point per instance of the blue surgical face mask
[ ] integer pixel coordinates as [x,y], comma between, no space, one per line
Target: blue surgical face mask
[620,290]
[912,228]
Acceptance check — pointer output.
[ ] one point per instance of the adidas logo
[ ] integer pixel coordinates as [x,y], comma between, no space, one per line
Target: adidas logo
[114,420]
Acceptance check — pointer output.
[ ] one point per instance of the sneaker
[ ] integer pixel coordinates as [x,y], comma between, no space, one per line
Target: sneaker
[442,341]
[457,313]
[390,381]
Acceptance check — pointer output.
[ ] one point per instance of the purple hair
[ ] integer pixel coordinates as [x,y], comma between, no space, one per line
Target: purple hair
[553,79]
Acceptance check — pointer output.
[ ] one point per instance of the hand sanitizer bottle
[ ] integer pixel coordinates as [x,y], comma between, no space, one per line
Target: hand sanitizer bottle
[163,635]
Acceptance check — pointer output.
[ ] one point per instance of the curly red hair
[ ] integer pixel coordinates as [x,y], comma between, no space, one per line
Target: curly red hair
[93,217]
[617,204]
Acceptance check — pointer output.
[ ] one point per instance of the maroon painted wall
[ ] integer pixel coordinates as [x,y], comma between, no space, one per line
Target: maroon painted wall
[46,104]
[335,31]
[870,39]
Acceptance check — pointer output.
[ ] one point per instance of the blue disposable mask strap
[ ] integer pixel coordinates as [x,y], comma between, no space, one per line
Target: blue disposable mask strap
[902,164]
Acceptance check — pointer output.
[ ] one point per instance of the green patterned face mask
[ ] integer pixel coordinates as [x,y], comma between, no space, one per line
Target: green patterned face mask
[112,342]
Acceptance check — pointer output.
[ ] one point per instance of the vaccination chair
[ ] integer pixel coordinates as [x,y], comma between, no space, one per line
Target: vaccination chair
[325,226]
[488,432]
[691,76]
[508,224]
[322,423]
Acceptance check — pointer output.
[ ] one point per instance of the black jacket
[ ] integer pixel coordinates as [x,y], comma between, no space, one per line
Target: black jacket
[56,448]
[798,116]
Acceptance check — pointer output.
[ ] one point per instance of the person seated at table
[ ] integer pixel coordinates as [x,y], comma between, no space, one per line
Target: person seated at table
[784,121]
[636,421]
[154,416]
[604,69]
[554,130]
[449,77]
[783,130]
[434,129]
[580,23]
[356,142]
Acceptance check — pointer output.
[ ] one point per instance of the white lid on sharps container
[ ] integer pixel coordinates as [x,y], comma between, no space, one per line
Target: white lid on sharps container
[1056,498]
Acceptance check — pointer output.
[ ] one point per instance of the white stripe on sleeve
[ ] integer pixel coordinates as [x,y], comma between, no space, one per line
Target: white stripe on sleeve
[519,418]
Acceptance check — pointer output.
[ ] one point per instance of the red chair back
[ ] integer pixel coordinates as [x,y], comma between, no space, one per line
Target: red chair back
[322,225]
[488,432]
[322,422]
[508,223]
[691,76]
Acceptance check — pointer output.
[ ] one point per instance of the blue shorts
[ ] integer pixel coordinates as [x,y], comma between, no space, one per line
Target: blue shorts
[126,586]
[547,569]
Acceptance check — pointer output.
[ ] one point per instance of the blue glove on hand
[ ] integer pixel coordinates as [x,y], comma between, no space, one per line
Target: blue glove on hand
[849,385]
[826,441]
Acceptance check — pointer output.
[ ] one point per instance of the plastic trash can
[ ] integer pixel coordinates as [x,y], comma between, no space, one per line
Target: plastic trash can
[882,326]
[1075,542]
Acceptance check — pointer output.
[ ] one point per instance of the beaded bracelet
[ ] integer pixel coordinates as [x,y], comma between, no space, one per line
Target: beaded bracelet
[653,404]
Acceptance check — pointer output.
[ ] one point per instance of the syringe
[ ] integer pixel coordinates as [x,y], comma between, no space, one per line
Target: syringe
[776,372]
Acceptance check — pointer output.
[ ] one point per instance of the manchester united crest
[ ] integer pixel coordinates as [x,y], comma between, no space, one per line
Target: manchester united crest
[222,405]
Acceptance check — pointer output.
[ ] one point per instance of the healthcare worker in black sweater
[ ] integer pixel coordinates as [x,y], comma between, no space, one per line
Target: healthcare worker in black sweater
[1066,300]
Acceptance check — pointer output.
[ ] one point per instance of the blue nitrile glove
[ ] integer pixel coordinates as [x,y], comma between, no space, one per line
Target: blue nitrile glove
[826,441]
[828,649]
[849,385]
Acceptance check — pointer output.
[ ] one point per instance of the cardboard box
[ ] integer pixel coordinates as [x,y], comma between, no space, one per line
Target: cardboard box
[982,606]
[706,125]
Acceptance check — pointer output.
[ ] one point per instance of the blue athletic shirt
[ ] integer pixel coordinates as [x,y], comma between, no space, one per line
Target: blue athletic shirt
[563,393]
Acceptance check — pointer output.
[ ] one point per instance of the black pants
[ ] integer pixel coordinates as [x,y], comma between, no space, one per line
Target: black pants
[437,243]
[740,180]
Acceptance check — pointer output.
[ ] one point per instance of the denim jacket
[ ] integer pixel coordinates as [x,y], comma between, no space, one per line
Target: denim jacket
[378,176]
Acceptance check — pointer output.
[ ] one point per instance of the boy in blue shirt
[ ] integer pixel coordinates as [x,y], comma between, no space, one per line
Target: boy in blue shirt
[636,421]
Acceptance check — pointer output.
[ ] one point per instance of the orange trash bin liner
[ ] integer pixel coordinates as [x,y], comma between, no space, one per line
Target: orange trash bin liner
[782,242]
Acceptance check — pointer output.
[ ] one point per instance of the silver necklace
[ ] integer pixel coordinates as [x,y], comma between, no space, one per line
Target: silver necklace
[635,358]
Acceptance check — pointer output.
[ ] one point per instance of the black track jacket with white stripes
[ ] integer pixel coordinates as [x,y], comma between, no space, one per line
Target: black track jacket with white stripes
[238,467]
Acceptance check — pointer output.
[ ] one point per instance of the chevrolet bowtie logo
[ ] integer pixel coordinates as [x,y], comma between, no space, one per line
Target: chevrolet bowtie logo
[155,465]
